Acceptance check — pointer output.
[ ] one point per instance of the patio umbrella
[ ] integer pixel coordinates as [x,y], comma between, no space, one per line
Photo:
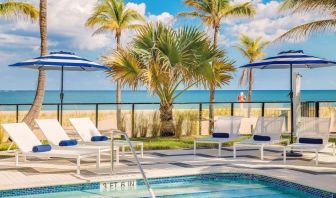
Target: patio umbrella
[289,60]
[60,61]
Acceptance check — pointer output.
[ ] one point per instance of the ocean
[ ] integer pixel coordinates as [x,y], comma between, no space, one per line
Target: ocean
[13,97]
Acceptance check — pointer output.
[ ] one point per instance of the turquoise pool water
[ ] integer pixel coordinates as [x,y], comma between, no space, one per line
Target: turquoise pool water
[228,186]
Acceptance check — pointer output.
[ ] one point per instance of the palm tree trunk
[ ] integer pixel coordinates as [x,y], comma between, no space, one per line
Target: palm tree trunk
[212,89]
[167,127]
[39,95]
[118,94]
[249,95]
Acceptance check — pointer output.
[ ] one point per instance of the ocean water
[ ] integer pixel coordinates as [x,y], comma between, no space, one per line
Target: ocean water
[13,97]
[26,97]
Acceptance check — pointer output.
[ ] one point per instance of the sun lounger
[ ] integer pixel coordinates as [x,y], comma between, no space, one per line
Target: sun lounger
[226,130]
[267,133]
[27,142]
[56,136]
[88,131]
[313,135]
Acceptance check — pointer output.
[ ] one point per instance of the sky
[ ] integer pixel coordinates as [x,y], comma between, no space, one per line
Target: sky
[19,40]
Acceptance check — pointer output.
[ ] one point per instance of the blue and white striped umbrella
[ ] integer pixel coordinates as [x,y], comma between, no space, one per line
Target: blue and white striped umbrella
[61,61]
[58,60]
[287,59]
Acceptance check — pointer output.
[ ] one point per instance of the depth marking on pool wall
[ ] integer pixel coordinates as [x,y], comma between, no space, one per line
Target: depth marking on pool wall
[118,185]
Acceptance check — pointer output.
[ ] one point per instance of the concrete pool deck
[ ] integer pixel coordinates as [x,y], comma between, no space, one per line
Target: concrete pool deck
[162,163]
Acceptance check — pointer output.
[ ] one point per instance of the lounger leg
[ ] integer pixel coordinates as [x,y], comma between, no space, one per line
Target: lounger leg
[98,159]
[262,152]
[123,150]
[142,152]
[194,147]
[219,149]
[284,155]
[234,151]
[78,165]
[316,158]
[16,159]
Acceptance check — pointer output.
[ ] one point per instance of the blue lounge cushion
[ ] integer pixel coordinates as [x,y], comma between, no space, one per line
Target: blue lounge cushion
[311,140]
[41,148]
[261,138]
[220,135]
[71,142]
[99,138]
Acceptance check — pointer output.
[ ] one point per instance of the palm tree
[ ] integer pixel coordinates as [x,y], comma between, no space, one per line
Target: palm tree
[253,50]
[28,11]
[163,60]
[324,7]
[212,12]
[112,15]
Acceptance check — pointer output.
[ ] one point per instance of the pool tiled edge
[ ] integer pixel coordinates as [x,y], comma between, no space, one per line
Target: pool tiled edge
[288,185]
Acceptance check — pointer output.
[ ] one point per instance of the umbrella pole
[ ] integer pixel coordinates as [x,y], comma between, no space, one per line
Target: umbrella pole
[62,95]
[291,104]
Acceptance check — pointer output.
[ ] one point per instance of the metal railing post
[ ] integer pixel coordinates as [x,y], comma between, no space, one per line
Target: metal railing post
[262,109]
[232,108]
[317,109]
[17,113]
[97,114]
[200,113]
[133,118]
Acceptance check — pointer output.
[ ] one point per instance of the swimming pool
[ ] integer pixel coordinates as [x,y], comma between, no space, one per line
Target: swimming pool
[208,185]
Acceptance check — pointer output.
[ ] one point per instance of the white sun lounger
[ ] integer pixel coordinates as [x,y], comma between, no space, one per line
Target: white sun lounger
[55,133]
[266,127]
[26,140]
[86,130]
[230,125]
[310,130]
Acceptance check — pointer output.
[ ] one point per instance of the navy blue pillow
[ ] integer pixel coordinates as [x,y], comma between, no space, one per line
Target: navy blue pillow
[99,138]
[72,142]
[311,140]
[261,138]
[220,135]
[41,148]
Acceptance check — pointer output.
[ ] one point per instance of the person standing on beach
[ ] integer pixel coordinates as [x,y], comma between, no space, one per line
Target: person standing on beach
[241,99]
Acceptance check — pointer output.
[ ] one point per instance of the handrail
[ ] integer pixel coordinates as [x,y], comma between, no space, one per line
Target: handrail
[117,132]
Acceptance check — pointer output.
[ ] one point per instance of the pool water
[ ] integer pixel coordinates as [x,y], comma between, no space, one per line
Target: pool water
[194,186]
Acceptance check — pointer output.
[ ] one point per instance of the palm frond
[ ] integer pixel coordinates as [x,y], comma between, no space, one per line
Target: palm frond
[239,10]
[303,31]
[298,6]
[19,10]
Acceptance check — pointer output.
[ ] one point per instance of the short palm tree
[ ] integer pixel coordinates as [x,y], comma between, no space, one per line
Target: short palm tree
[27,11]
[252,49]
[163,60]
[112,15]
[323,7]
[212,12]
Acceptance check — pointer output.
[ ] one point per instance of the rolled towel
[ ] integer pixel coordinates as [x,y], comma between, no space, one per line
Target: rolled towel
[261,138]
[41,148]
[71,142]
[220,135]
[311,140]
[99,138]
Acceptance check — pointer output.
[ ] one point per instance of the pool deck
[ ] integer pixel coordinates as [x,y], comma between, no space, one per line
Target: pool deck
[35,173]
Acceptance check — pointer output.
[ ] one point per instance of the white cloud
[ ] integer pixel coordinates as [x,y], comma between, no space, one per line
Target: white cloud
[165,18]
[268,22]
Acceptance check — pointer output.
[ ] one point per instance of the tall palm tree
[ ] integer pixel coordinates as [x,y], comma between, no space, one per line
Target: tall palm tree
[162,60]
[28,11]
[252,49]
[112,15]
[323,7]
[212,12]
